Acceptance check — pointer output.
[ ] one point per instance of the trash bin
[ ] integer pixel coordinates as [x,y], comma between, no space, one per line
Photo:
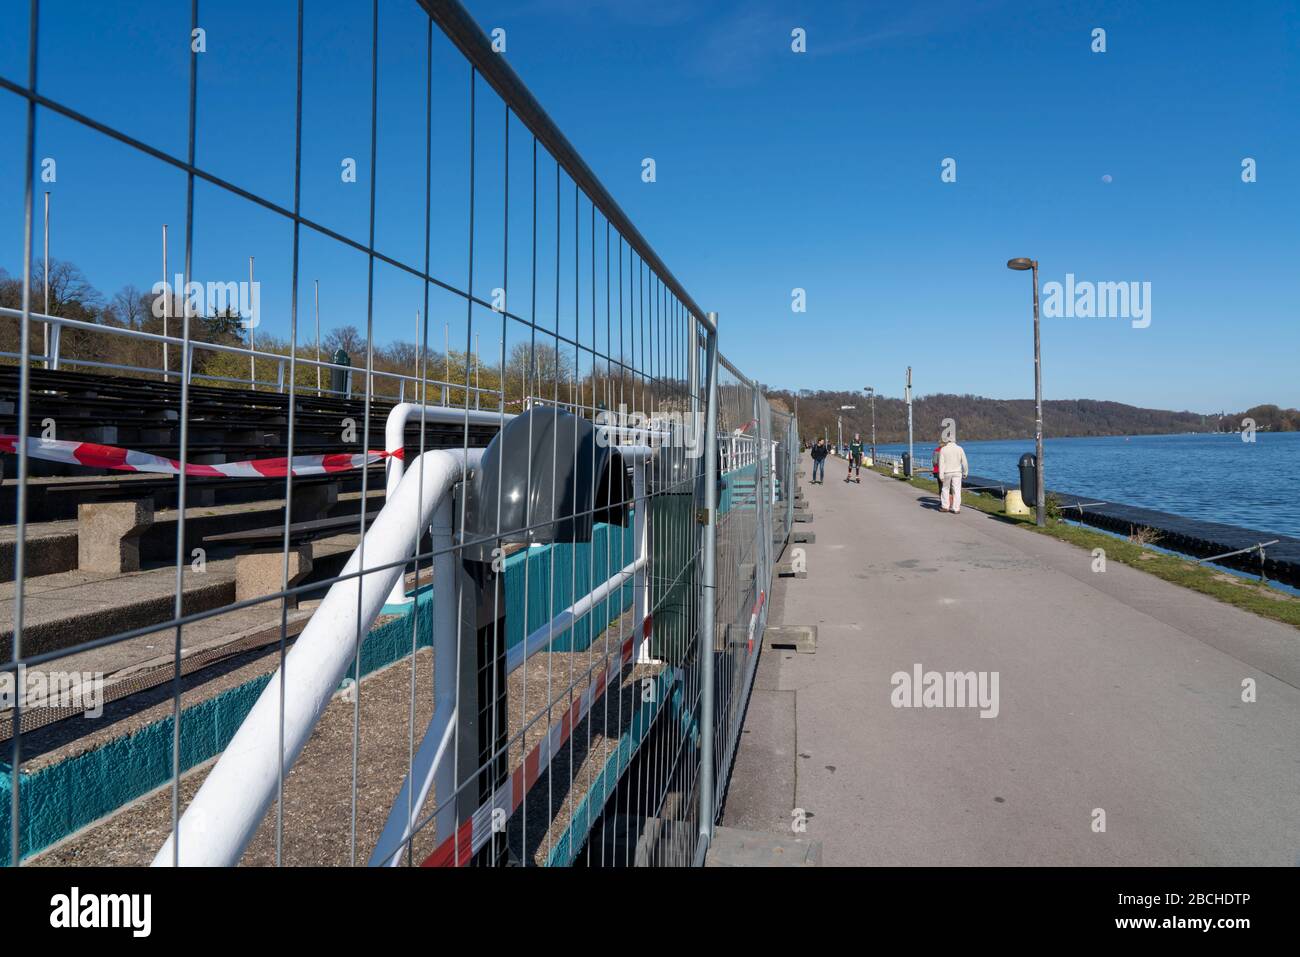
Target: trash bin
[907,464]
[340,378]
[1029,478]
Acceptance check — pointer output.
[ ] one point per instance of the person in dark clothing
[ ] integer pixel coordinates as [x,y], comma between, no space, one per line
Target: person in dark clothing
[819,453]
[855,460]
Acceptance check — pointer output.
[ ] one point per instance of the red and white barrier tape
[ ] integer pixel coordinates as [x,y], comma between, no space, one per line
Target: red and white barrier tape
[472,833]
[127,460]
[753,617]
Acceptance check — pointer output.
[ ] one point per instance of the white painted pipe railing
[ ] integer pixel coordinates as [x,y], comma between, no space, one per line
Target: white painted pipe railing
[395,439]
[226,812]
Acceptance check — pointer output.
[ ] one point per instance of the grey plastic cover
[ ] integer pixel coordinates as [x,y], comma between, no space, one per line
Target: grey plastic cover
[553,481]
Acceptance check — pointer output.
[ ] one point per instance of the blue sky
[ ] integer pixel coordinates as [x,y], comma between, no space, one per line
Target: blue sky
[775,170]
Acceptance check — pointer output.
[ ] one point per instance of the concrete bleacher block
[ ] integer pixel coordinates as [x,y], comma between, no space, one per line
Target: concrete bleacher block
[261,573]
[108,535]
[800,638]
[312,502]
[801,537]
[102,434]
[733,847]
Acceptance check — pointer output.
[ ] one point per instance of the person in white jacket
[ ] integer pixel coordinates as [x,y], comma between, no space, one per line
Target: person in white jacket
[952,469]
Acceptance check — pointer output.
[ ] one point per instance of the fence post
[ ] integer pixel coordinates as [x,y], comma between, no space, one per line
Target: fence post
[708,593]
[788,483]
[52,360]
[641,543]
[762,494]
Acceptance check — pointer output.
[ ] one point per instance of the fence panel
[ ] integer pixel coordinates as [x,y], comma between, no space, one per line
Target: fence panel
[479,577]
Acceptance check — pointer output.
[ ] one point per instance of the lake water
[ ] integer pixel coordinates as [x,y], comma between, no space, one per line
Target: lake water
[1215,477]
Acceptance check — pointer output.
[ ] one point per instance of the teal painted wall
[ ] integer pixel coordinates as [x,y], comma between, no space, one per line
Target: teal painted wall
[555,574]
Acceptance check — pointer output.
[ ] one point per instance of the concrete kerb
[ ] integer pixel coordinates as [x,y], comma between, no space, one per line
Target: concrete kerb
[733,847]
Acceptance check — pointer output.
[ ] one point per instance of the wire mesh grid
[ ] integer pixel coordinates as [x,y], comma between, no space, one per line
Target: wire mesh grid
[495,635]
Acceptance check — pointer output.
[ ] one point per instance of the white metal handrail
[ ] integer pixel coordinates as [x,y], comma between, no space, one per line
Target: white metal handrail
[395,439]
[226,811]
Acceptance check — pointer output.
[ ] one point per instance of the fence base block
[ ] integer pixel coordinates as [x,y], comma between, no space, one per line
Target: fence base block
[787,570]
[803,516]
[800,638]
[801,537]
[732,847]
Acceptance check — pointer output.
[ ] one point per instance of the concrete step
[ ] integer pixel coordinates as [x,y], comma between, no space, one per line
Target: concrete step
[51,547]
[68,608]
[158,543]
[733,847]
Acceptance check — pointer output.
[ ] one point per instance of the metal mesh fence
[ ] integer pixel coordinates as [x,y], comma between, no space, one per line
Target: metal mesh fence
[369,597]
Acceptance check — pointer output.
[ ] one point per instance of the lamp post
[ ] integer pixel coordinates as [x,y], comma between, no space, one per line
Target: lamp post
[871,394]
[910,456]
[1040,504]
[840,419]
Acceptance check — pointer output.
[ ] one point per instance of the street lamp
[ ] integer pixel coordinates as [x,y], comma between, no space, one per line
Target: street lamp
[911,457]
[1040,505]
[840,420]
[871,394]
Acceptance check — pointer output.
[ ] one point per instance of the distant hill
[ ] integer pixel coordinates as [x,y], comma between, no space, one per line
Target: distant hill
[981,418]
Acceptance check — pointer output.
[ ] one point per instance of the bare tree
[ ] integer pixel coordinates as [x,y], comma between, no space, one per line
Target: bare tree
[350,340]
[130,307]
[71,294]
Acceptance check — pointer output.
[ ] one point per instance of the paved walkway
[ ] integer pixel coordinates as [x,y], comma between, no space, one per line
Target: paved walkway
[1117,691]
